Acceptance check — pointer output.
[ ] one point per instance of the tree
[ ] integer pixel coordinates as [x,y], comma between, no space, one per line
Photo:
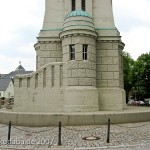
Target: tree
[128,66]
[141,75]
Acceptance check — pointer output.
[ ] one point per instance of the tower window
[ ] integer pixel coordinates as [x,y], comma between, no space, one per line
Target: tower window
[85,52]
[72,52]
[73,5]
[83,4]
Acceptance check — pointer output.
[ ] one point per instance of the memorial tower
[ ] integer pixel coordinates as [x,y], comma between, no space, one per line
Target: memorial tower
[78,61]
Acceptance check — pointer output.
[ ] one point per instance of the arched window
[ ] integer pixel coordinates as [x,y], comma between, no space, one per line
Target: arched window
[83,4]
[73,5]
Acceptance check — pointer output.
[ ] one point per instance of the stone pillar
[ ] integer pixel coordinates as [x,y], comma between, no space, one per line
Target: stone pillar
[80,94]
[110,75]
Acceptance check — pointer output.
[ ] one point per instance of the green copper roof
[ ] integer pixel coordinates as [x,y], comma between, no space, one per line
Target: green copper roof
[78,13]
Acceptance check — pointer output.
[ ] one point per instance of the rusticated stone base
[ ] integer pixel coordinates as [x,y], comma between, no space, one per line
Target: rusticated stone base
[111,99]
[81,99]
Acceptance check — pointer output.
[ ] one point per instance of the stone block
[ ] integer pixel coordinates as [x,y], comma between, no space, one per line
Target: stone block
[107,60]
[98,46]
[90,73]
[85,81]
[102,68]
[44,53]
[92,57]
[78,73]
[112,53]
[79,98]
[59,46]
[42,46]
[66,50]
[98,60]
[113,83]
[66,57]
[76,40]
[69,73]
[99,75]
[107,75]
[67,41]
[73,64]
[116,75]
[56,54]
[93,65]
[115,60]
[78,56]
[106,46]
[93,82]
[101,53]
[73,81]
[85,64]
[90,41]
[59,59]
[51,60]
[91,49]
[111,99]
[113,68]
[51,46]
[115,45]
[78,48]
[102,83]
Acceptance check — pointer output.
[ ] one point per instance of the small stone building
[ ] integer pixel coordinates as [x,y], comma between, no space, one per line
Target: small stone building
[78,58]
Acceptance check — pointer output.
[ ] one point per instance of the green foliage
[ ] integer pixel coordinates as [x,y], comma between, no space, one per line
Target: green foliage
[141,75]
[2,98]
[137,75]
[128,66]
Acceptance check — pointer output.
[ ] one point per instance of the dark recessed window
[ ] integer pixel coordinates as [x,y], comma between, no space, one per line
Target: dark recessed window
[85,52]
[44,77]
[83,4]
[36,80]
[28,82]
[72,52]
[73,5]
[20,82]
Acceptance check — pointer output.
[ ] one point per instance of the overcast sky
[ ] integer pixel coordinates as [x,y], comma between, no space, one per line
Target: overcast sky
[21,21]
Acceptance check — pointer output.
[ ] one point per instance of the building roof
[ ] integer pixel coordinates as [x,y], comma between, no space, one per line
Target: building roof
[76,13]
[20,68]
[5,80]
[2,75]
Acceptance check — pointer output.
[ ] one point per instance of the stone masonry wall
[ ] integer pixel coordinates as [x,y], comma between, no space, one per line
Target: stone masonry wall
[47,52]
[41,90]
[80,72]
[109,65]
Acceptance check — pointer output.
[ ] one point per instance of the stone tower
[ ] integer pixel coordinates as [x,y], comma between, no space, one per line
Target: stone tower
[79,61]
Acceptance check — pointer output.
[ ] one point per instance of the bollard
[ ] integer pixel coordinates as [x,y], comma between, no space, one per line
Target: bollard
[59,134]
[108,131]
[9,132]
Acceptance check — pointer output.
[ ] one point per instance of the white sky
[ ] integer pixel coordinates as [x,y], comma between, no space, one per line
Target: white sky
[21,21]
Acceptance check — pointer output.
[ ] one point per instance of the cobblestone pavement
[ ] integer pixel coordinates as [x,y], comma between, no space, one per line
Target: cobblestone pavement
[122,137]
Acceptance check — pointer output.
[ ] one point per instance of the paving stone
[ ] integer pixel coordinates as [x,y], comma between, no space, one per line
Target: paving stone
[122,136]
